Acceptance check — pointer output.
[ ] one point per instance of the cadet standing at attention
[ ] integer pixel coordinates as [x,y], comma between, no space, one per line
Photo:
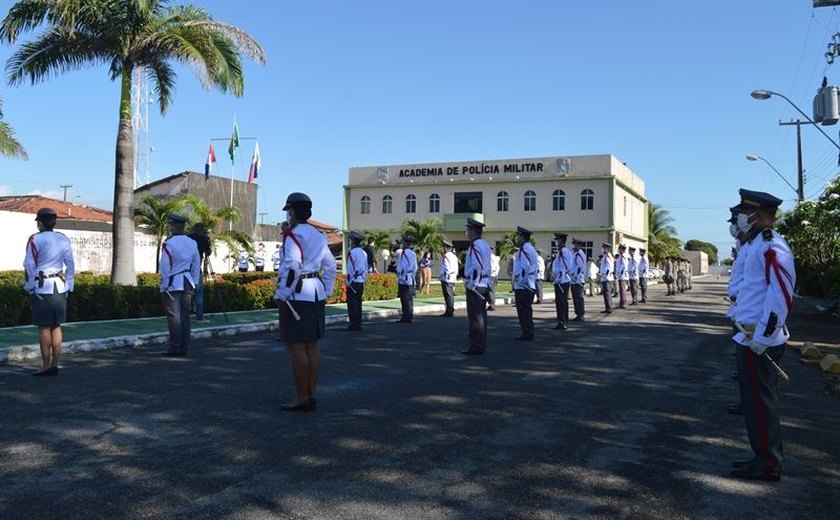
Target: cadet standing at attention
[406,278]
[50,271]
[524,282]
[357,269]
[477,285]
[644,267]
[765,297]
[605,273]
[448,277]
[180,269]
[633,272]
[580,274]
[561,269]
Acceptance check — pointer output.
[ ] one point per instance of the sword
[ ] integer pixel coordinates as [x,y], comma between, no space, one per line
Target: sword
[294,312]
[779,370]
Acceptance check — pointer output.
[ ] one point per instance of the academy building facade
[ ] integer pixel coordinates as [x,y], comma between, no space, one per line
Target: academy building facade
[594,198]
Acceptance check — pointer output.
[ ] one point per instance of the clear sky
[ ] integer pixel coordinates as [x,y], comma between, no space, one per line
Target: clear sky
[663,86]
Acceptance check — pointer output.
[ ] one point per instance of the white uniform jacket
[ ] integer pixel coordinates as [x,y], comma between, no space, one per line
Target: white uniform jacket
[633,267]
[308,269]
[644,267]
[357,265]
[406,267]
[494,264]
[243,260]
[525,267]
[275,259]
[621,267]
[48,264]
[180,264]
[736,277]
[259,258]
[606,268]
[477,264]
[579,268]
[449,268]
[562,266]
[765,294]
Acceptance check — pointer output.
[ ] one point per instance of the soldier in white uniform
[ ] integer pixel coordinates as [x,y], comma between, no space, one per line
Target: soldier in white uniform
[580,274]
[494,278]
[765,297]
[525,267]
[644,268]
[275,259]
[357,269]
[606,275]
[561,270]
[243,261]
[540,276]
[406,278]
[49,269]
[477,285]
[259,257]
[308,273]
[180,271]
[633,274]
[448,276]
[622,276]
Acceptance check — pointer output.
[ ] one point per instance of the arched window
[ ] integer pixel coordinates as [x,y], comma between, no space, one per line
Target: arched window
[410,204]
[365,205]
[530,201]
[587,199]
[387,204]
[502,201]
[434,203]
[558,200]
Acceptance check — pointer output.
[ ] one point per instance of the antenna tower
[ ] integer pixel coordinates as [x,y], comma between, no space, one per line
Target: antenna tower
[140,101]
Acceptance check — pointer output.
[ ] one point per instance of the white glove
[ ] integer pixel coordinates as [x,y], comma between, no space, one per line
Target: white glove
[756,347]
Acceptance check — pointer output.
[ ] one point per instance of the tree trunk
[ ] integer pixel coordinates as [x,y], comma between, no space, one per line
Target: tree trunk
[122,266]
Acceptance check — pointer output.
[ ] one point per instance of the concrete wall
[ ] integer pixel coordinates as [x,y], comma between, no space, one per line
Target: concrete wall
[699,261]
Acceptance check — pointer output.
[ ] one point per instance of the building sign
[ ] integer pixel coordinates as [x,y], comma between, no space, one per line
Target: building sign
[559,167]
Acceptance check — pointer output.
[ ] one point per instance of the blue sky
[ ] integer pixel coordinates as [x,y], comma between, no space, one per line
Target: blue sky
[663,86]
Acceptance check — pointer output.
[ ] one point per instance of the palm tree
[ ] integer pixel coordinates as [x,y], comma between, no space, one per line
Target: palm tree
[427,235]
[127,35]
[381,239]
[662,241]
[212,221]
[9,146]
[153,213]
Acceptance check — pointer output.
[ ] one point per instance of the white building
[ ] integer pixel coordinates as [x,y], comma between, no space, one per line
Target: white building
[594,198]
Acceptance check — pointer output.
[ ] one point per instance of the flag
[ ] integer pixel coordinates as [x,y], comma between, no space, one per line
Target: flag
[234,142]
[211,160]
[256,164]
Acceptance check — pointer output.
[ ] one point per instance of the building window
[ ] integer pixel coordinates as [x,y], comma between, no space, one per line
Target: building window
[625,205]
[558,200]
[530,201]
[587,249]
[468,202]
[502,201]
[434,203]
[587,199]
[387,204]
[411,204]
[365,205]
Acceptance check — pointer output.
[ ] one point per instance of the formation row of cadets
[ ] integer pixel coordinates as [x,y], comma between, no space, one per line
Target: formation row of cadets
[630,270]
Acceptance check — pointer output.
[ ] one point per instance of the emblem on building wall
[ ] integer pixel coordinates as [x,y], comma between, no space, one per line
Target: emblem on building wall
[382,173]
[563,166]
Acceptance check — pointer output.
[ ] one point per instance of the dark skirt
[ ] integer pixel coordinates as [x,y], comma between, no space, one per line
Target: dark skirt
[50,309]
[311,325]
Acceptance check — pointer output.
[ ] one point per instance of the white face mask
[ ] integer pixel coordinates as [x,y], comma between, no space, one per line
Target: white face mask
[744,224]
[289,215]
[733,230]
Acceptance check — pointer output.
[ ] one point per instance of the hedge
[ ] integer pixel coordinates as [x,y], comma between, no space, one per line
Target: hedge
[94,298]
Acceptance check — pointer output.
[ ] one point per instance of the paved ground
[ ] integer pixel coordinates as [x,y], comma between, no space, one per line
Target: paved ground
[621,417]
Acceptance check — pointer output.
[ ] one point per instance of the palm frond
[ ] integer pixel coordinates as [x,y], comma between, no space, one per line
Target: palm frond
[55,52]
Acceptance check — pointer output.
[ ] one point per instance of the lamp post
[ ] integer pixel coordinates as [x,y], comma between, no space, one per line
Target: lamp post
[799,194]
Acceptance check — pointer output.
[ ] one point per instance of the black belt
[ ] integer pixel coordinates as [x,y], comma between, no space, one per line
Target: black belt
[310,275]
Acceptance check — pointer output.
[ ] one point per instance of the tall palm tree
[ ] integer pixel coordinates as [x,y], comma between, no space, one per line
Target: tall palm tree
[9,146]
[153,213]
[427,235]
[126,35]
[662,240]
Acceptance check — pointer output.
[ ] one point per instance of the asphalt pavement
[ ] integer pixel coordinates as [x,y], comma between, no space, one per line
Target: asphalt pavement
[623,416]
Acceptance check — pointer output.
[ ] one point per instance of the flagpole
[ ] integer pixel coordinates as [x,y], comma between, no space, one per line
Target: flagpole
[230,221]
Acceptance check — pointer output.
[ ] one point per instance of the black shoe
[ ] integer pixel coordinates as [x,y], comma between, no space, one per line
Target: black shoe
[752,473]
[52,371]
[644,301]
[606,311]
[635,303]
[446,315]
[353,328]
[739,464]
[560,326]
[170,353]
[303,406]
[577,318]
[403,321]
[734,409]
[524,338]
[491,308]
[472,353]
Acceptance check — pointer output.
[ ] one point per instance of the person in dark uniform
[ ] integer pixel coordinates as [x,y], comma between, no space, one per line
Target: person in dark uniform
[525,267]
[406,278]
[50,273]
[180,270]
[562,268]
[357,269]
[370,251]
[202,241]
[448,276]
[765,297]
[477,285]
[308,273]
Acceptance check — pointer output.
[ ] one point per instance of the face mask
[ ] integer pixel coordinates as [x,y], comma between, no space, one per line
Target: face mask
[744,224]
[289,215]
[733,230]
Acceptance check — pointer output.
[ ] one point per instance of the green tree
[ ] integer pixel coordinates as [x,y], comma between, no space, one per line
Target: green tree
[661,235]
[213,222]
[9,146]
[427,235]
[381,239]
[706,247]
[127,35]
[153,213]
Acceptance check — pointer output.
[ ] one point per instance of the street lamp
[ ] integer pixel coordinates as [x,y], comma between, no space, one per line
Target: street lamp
[760,158]
[766,94]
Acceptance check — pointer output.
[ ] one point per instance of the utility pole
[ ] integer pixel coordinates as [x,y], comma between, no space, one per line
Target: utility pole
[800,173]
[262,214]
[65,186]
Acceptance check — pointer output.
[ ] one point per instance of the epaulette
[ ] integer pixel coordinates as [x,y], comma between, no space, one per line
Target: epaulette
[767,234]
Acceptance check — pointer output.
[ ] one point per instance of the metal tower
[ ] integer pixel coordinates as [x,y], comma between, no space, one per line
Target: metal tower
[140,101]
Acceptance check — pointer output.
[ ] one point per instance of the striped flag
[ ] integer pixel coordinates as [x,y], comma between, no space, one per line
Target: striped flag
[256,164]
[211,160]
